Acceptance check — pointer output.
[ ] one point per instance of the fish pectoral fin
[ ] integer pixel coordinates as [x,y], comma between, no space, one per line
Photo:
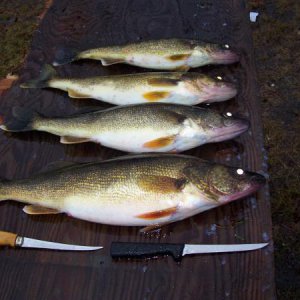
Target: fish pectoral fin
[160,142]
[39,210]
[161,184]
[153,215]
[73,140]
[111,61]
[163,82]
[74,94]
[156,95]
[178,57]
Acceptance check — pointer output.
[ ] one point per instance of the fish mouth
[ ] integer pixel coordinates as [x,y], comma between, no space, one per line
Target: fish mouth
[221,92]
[238,127]
[256,182]
[224,57]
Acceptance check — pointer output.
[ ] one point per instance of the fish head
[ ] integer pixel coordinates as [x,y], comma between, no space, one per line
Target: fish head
[215,90]
[227,184]
[222,184]
[221,54]
[220,127]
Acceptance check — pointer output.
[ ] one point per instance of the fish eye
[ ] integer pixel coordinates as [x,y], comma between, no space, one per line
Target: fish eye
[228,114]
[219,77]
[240,171]
[225,46]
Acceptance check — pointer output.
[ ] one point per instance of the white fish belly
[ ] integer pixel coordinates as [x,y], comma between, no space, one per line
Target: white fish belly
[126,212]
[134,141]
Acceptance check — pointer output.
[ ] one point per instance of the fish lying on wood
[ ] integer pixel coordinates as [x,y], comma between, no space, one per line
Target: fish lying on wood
[165,54]
[149,127]
[147,190]
[170,87]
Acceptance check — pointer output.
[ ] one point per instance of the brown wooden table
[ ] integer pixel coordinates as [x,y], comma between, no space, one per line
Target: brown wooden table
[43,274]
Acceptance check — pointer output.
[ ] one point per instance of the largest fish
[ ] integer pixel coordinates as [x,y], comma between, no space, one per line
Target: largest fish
[146,190]
[164,54]
[158,127]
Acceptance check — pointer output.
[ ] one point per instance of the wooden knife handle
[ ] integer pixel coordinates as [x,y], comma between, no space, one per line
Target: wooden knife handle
[7,239]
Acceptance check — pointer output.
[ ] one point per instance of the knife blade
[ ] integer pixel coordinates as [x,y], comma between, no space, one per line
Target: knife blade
[143,250]
[13,240]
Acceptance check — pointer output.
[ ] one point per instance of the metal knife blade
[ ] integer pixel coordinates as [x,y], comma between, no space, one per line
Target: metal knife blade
[198,249]
[33,243]
[13,240]
[142,250]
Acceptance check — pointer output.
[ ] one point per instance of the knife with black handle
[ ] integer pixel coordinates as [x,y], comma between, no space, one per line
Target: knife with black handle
[177,251]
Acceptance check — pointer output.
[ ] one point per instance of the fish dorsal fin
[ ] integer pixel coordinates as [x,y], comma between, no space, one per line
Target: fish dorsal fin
[163,82]
[39,210]
[111,61]
[74,94]
[195,175]
[161,184]
[56,165]
[73,140]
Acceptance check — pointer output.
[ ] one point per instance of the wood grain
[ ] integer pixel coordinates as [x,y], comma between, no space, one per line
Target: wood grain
[42,274]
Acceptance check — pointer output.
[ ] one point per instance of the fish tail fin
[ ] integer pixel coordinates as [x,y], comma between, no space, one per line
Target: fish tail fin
[42,81]
[23,120]
[64,56]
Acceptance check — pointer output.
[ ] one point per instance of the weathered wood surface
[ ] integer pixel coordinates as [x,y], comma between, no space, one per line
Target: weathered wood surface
[33,274]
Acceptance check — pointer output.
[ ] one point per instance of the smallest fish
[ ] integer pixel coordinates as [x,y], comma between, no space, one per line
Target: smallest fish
[168,87]
[164,54]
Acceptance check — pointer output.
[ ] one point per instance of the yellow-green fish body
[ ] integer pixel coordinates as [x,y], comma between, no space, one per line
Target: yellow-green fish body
[158,127]
[164,54]
[168,87]
[146,190]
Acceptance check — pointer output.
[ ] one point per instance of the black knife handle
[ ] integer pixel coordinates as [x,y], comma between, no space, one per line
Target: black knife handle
[142,250]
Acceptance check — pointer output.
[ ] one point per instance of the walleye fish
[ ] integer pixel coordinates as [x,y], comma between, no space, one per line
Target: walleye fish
[165,54]
[147,190]
[147,127]
[170,87]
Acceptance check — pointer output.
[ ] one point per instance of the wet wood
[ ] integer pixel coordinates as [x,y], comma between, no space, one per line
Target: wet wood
[43,274]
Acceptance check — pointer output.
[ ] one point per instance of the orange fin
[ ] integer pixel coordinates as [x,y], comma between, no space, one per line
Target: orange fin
[74,94]
[160,142]
[163,82]
[182,69]
[151,228]
[73,140]
[39,210]
[158,214]
[156,96]
[177,57]
[162,184]
[111,61]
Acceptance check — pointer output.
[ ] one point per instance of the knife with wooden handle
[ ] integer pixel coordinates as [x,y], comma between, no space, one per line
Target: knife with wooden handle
[13,240]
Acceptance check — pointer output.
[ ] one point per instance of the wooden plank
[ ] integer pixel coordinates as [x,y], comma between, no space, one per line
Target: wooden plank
[32,274]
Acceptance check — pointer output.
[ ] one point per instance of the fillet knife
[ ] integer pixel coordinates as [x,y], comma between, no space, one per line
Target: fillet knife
[144,250]
[14,240]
